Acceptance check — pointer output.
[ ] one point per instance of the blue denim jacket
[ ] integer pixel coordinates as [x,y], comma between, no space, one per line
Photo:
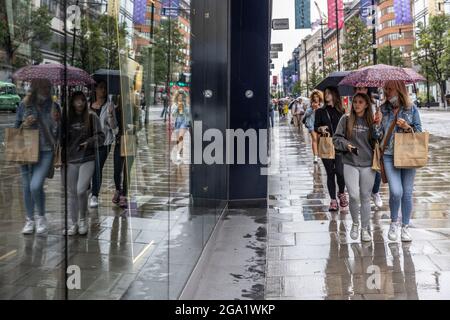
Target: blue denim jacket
[24,111]
[310,117]
[411,115]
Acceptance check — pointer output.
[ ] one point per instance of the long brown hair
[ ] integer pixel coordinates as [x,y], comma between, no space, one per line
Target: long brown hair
[37,84]
[403,97]
[85,115]
[336,98]
[368,117]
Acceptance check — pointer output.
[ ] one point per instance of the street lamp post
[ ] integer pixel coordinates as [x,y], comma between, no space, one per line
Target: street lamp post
[337,37]
[374,33]
[321,39]
[306,68]
[390,52]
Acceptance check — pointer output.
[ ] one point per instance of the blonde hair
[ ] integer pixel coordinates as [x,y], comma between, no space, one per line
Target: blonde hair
[317,93]
[184,94]
[400,87]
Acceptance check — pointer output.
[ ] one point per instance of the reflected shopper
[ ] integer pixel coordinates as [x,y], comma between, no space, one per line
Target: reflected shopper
[85,136]
[38,111]
[105,111]
[182,118]
[122,164]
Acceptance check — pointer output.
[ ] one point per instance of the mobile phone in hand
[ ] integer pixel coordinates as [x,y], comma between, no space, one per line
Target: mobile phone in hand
[355,151]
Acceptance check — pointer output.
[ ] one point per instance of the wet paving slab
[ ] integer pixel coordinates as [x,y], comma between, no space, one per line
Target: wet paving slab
[310,254]
[126,254]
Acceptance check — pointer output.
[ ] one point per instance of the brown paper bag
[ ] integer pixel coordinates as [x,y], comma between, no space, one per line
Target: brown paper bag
[326,147]
[376,162]
[411,150]
[128,145]
[22,145]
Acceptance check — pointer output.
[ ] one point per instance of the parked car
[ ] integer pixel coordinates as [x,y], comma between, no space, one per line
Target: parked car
[9,99]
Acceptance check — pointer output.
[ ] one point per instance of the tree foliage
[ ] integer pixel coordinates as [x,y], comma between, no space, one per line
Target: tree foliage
[314,77]
[357,47]
[390,56]
[432,50]
[162,49]
[24,33]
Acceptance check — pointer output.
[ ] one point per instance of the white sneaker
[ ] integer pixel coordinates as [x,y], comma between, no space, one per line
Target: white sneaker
[354,231]
[406,236]
[41,225]
[82,227]
[93,202]
[72,230]
[316,159]
[392,234]
[29,227]
[377,200]
[365,235]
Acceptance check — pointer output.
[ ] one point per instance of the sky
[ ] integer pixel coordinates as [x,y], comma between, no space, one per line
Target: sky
[292,37]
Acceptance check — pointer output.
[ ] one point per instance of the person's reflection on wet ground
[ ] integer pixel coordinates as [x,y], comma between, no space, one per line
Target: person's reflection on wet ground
[337,274]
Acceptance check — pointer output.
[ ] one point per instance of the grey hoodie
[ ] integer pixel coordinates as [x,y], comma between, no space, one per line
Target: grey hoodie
[359,139]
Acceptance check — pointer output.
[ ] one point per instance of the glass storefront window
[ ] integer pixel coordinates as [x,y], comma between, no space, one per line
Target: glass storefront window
[110,86]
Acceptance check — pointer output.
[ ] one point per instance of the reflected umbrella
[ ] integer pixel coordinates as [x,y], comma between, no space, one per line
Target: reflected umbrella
[55,73]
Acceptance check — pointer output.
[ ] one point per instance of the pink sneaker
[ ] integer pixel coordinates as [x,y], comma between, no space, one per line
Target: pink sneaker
[333,205]
[343,202]
[116,197]
[123,203]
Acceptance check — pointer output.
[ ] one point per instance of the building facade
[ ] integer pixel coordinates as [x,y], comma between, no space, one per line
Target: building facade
[391,34]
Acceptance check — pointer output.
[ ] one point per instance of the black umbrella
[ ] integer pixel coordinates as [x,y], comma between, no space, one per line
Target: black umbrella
[333,81]
[112,79]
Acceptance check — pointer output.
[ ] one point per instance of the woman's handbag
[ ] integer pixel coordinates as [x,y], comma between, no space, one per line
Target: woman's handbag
[411,150]
[326,147]
[22,145]
[376,161]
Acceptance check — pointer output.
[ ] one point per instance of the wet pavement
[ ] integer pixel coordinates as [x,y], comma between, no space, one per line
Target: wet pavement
[310,253]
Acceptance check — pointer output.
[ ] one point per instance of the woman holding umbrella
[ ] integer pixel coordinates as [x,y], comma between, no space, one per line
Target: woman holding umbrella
[376,186]
[105,110]
[326,120]
[38,111]
[400,113]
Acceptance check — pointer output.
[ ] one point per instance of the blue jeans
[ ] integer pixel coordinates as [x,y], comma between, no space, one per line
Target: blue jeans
[272,117]
[401,185]
[33,178]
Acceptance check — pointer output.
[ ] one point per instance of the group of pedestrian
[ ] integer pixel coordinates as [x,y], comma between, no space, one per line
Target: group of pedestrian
[355,135]
[93,126]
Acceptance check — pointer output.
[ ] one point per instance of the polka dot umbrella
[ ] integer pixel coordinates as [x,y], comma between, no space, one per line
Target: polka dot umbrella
[55,73]
[378,75]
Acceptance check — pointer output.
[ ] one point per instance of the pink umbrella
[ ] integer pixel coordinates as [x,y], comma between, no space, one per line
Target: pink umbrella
[414,75]
[55,74]
[377,75]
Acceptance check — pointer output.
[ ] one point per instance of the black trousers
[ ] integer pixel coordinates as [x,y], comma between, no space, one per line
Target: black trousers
[122,167]
[335,171]
[100,159]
